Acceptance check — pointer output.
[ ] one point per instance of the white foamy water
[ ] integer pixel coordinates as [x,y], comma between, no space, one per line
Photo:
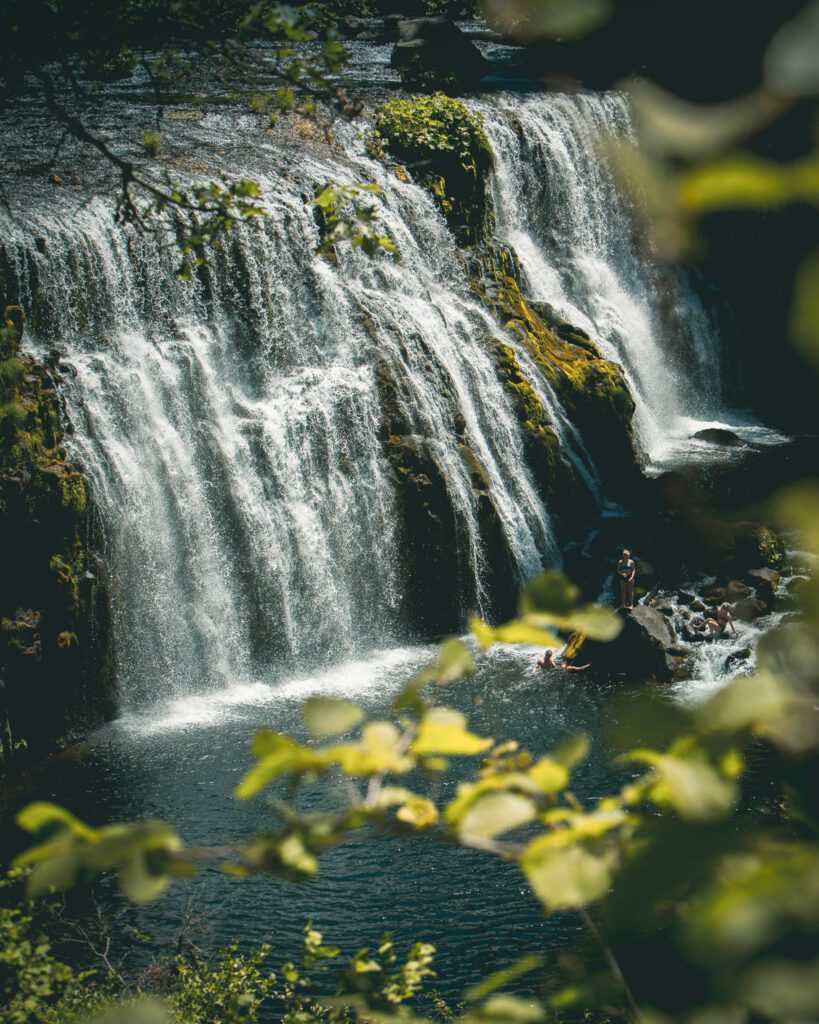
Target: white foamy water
[232,427]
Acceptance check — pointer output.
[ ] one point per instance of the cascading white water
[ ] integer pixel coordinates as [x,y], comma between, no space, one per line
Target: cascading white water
[559,207]
[232,433]
[231,428]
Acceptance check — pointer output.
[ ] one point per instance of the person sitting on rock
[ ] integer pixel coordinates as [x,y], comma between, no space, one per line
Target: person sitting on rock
[626,571]
[716,624]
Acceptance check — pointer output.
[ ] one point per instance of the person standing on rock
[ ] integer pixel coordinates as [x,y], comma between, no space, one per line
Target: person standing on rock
[626,571]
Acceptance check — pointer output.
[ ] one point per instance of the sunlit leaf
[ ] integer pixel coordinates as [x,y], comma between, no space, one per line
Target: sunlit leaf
[571,750]
[551,776]
[454,661]
[567,876]
[139,884]
[443,731]
[694,788]
[328,716]
[783,989]
[418,811]
[507,1009]
[495,813]
[550,593]
[498,979]
[41,815]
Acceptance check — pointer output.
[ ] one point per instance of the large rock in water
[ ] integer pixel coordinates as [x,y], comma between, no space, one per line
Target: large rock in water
[765,582]
[645,647]
[755,545]
[718,435]
[434,54]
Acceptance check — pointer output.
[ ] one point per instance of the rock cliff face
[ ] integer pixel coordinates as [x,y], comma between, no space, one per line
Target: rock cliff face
[51,686]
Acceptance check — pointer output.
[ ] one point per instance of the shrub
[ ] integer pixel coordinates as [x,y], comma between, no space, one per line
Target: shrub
[434,127]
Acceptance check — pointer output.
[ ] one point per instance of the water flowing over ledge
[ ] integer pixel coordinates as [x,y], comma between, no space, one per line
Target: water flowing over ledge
[232,428]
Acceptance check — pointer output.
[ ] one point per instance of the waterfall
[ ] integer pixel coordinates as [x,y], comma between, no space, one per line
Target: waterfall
[231,430]
[232,427]
[560,208]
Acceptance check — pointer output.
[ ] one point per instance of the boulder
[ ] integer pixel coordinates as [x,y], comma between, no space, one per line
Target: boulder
[735,591]
[736,657]
[765,582]
[748,609]
[434,54]
[641,648]
[718,435]
[756,545]
[686,597]
[677,651]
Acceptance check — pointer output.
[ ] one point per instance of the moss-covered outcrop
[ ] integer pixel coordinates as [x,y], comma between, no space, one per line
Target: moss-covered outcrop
[445,147]
[591,389]
[50,688]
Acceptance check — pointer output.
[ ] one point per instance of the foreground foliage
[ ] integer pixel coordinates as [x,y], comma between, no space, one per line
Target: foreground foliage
[691,905]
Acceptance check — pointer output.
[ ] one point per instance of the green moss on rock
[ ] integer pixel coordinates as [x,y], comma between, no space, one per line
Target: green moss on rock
[446,148]
[592,390]
[45,586]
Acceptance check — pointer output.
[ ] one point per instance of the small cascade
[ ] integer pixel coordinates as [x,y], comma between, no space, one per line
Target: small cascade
[559,207]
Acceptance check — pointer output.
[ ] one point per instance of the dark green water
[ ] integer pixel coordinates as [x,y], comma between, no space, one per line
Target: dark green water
[181,763]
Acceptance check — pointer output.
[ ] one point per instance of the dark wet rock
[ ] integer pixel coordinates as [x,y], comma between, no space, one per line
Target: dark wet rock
[748,609]
[662,605]
[592,390]
[676,651]
[432,539]
[755,545]
[735,591]
[698,606]
[52,606]
[434,54]
[682,667]
[736,657]
[765,582]
[640,649]
[717,435]
[686,597]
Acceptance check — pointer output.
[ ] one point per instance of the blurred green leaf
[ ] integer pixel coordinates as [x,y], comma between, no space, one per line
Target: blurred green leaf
[495,813]
[694,788]
[566,876]
[328,716]
[443,731]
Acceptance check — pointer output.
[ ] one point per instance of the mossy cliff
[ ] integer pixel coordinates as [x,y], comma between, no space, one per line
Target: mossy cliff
[591,390]
[51,688]
[443,146]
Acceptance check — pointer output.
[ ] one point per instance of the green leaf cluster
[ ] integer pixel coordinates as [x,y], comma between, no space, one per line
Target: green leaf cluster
[343,218]
[421,128]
